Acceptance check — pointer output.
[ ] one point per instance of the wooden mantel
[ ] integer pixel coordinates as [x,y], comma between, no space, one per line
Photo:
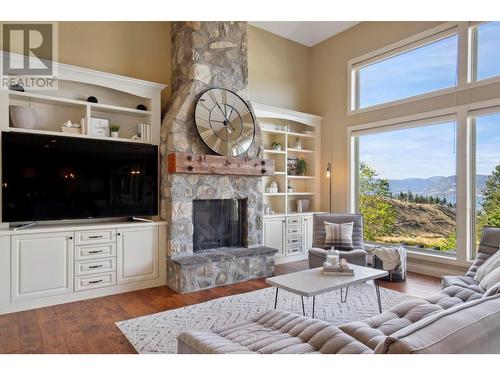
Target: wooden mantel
[181,162]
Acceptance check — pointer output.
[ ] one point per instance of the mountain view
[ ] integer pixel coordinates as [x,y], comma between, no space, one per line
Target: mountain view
[437,186]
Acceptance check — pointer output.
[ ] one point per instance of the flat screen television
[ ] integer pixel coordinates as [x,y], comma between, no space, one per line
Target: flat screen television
[56,177]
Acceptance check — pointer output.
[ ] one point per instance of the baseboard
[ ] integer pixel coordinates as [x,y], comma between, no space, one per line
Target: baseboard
[438,270]
[79,296]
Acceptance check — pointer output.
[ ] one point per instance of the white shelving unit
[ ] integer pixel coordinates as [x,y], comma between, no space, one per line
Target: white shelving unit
[287,230]
[285,127]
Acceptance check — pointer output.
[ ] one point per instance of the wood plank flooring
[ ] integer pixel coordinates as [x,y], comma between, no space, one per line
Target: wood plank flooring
[89,326]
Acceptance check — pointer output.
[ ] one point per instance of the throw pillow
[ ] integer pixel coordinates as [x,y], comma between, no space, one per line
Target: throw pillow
[492,290]
[488,266]
[490,279]
[339,236]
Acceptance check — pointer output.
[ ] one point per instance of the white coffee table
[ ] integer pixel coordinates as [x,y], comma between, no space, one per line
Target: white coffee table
[312,282]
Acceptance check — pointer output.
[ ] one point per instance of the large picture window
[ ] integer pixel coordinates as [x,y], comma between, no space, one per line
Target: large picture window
[487,167]
[418,70]
[406,186]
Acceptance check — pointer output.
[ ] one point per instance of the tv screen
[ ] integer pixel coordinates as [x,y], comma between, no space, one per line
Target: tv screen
[56,177]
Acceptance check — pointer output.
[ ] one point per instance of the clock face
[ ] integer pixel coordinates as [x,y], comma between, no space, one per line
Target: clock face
[224,122]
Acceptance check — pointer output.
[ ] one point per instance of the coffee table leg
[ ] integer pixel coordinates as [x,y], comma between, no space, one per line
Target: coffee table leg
[314,304]
[303,308]
[276,298]
[343,297]
[377,290]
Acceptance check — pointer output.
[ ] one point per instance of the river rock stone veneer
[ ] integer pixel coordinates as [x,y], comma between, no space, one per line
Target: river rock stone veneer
[204,55]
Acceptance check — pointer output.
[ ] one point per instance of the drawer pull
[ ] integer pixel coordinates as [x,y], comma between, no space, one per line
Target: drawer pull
[94,237]
[95,281]
[95,251]
[96,266]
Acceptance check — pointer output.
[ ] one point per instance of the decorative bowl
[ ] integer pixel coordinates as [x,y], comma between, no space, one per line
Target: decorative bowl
[22,117]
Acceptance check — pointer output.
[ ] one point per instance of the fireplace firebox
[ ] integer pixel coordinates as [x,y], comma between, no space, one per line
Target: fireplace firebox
[219,223]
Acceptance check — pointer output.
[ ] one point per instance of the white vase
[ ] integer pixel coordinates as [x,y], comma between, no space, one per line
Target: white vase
[114,134]
[22,117]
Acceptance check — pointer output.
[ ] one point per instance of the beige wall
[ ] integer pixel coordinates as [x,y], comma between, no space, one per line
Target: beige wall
[135,49]
[278,71]
[329,93]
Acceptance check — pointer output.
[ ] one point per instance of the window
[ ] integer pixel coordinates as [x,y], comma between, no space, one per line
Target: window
[406,186]
[487,167]
[486,45]
[426,68]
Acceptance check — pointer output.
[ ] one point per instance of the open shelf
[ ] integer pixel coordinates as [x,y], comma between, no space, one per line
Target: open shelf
[300,151]
[302,193]
[61,134]
[300,177]
[48,99]
[275,152]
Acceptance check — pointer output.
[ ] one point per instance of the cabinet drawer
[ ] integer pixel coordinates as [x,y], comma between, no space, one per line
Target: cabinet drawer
[95,251]
[95,281]
[294,220]
[294,240]
[95,236]
[294,249]
[294,230]
[95,266]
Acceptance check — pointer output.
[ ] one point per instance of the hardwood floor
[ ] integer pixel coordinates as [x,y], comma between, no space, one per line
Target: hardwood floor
[89,326]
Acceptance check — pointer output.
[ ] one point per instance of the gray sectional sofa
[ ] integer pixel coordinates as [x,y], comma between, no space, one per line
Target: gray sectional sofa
[458,319]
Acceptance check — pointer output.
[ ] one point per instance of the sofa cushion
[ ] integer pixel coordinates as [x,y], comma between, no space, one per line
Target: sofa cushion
[374,330]
[471,327]
[490,279]
[487,267]
[454,295]
[490,241]
[274,332]
[462,281]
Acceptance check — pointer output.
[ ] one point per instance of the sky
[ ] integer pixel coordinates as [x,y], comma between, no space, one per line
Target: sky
[429,150]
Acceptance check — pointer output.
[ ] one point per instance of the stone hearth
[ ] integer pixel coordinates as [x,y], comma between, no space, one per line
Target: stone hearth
[206,55]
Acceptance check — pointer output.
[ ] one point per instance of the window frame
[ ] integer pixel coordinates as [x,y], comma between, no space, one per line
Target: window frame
[408,44]
[472,58]
[409,122]
[466,64]
[464,116]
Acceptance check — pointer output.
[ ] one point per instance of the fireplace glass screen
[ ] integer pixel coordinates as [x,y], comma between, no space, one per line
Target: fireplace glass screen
[218,223]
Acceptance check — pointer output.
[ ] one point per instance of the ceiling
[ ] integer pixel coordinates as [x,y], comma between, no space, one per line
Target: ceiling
[307,33]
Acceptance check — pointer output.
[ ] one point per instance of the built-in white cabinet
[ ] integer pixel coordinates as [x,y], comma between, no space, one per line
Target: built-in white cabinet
[42,265]
[137,254]
[47,265]
[4,269]
[274,231]
[292,235]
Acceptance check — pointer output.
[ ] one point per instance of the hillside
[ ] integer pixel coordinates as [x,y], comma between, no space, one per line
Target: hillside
[421,224]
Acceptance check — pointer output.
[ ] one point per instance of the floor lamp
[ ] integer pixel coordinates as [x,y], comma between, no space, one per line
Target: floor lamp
[329,176]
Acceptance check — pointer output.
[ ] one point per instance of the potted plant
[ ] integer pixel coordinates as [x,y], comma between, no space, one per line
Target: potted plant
[302,166]
[114,131]
[276,146]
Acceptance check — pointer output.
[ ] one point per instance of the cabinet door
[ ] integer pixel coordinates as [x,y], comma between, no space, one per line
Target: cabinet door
[42,265]
[274,232]
[308,227]
[4,269]
[137,254]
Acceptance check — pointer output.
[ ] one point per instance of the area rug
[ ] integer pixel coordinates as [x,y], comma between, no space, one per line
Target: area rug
[157,333]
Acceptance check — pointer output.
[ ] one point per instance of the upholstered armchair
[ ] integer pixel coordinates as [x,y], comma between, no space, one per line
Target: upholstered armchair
[317,254]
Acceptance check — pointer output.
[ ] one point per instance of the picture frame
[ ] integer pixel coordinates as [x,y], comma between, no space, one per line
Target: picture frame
[99,127]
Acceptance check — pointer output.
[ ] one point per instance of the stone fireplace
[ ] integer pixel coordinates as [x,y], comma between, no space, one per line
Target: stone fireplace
[207,55]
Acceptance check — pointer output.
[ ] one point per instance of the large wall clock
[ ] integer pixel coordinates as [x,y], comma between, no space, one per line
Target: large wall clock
[224,122]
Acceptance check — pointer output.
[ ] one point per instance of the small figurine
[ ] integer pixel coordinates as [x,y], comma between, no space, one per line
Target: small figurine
[343,263]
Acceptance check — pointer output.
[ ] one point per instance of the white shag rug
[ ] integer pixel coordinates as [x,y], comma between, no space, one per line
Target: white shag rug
[157,333]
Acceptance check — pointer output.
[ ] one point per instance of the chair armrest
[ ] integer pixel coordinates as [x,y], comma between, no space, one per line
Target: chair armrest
[318,251]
